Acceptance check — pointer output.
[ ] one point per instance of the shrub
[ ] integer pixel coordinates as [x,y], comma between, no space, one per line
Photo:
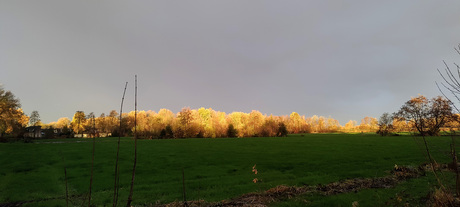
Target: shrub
[282,131]
[231,131]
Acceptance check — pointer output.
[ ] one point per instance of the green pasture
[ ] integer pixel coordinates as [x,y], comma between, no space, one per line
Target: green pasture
[215,169]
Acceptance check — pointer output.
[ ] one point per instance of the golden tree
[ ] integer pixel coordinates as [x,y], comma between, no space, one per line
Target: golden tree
[11,115]
[111,122]
[184,126]
[295,123]
[163,122]
[78,122]
[332,125]
[368,124]
[255,123]
[313,122]
[235,119]
[270,127]
[62,123]
[350,126]
[322,124]
[166,116]
[205,122]
[219,123]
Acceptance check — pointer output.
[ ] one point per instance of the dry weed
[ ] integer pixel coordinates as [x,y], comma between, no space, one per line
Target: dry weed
[442,198]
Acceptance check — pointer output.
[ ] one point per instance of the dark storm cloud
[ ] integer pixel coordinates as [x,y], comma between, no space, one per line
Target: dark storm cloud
[341,59]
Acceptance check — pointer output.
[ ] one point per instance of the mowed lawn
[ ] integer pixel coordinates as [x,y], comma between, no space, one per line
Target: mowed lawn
[215,169]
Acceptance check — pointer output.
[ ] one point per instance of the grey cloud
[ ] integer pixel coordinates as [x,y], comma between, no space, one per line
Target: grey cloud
[341,59]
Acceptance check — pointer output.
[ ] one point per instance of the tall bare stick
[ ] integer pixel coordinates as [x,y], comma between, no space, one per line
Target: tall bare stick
[455,165]
[115,190]
[65,178]
[92,159]
[432,162]
[66,190]
[183,188]
[130,197]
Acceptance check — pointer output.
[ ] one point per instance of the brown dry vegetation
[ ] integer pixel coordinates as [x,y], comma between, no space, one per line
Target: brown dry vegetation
[282,192]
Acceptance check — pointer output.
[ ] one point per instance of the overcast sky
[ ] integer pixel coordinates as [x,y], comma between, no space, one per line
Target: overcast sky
[343,59]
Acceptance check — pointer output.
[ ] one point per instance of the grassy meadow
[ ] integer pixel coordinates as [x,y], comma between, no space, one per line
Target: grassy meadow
[215,169]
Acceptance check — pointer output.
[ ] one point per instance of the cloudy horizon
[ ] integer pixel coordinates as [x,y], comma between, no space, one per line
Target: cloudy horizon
[344,60]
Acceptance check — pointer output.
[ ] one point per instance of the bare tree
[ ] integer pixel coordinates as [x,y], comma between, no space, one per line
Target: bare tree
[451,80]
[452,84]
[34,118]
[385,124]
[427,116]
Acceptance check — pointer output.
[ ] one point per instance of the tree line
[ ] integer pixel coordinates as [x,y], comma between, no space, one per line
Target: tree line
[208,123]
[188,123]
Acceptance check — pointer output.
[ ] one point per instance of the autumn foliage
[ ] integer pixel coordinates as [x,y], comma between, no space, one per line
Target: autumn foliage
[12,118]
[208,123]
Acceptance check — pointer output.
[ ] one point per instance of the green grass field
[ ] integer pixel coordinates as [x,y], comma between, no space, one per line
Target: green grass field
[215,169]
